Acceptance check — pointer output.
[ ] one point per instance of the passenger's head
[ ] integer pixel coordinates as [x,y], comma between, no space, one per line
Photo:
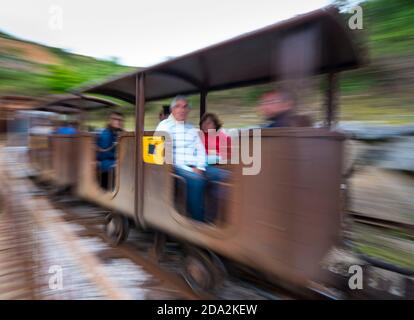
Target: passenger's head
[180,108]
[116,120]
[164,113]
[210,121]
[275,102]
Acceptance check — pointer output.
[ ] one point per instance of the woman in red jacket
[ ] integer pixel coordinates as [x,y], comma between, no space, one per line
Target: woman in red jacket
[216,142]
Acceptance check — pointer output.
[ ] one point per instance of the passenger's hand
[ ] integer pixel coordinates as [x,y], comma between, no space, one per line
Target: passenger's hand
[197,170]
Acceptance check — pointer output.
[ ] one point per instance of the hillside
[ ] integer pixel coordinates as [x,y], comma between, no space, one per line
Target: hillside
[36,70]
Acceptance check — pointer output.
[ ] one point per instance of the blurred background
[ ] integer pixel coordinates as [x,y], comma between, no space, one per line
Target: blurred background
[376,101]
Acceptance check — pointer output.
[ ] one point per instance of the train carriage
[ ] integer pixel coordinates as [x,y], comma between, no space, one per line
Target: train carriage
[54,155]
[282,220]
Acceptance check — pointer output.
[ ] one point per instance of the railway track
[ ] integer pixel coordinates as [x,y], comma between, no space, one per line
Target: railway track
[17,279]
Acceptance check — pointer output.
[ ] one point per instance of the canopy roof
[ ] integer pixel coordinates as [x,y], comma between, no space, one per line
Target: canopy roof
[16,103]
[73,104]
[314,43]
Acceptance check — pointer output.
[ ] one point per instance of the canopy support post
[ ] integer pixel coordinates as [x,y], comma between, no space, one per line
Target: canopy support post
[203,102]
[139,133]
[331,100]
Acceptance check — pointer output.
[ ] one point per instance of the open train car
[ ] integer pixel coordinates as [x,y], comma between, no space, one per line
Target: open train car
[119,199]
[280,221]
[54,156]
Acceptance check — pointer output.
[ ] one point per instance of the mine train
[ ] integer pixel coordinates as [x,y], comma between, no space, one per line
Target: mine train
[280,222]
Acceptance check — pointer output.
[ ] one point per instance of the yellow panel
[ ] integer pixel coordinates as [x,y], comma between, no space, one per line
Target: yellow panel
[153,149]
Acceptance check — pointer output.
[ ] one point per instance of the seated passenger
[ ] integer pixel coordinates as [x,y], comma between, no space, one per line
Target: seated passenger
[276,106]
[302,120]
[217,144]
[66,127]
[189,157]
[164,113]
[106,155]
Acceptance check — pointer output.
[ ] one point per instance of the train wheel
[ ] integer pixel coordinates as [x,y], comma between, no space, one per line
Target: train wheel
[203,271]
[117,228]
[157,251]
[220,272]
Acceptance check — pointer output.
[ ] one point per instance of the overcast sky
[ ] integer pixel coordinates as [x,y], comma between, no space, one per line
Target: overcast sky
[141,32]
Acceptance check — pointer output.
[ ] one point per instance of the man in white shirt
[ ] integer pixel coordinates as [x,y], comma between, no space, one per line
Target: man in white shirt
[188,150]
[189,156]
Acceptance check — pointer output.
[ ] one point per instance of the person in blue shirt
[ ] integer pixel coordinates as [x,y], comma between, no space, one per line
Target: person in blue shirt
[106,143]
[66,128]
